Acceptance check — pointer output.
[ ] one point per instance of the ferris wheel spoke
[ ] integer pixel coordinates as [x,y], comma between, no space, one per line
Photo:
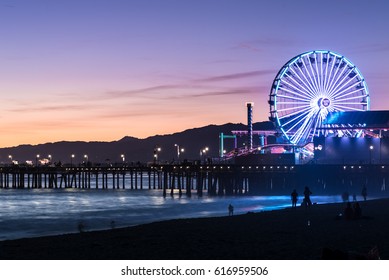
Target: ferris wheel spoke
[346,108]
[342,83]
[296,116]
[308,82]
[350,98]
[292,103]
[349,91]
[295,93]
[316,125]
[313,74]
[328,73]
[309,89]
[302,91]
[337,76]
[325,71]
[349,103]
[293,98]
[291,109]
[340,91]
[297,123]
[329,78]
[303,131]
[321,73]
[309,76]
[301,94]
[318,76]
[300,87]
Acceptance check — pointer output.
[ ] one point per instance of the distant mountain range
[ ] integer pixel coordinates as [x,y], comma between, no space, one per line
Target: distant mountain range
[134,149]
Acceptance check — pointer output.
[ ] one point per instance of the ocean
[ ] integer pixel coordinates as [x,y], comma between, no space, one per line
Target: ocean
[41,212]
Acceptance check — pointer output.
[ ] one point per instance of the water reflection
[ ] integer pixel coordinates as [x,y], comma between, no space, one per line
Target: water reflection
[26,213]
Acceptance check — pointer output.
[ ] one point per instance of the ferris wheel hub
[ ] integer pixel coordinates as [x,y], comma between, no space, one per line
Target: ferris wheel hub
[324,102]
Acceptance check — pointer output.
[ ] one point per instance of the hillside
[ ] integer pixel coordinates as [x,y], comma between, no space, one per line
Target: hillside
[134,149]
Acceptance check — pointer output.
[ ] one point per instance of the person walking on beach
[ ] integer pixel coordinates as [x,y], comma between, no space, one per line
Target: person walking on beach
[230,210]
[364,193]
[307,196]
[294,196]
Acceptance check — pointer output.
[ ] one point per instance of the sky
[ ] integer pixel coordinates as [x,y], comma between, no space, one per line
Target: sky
[104,69]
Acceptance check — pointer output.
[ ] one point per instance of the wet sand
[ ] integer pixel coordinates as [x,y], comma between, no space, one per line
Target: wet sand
[296,234]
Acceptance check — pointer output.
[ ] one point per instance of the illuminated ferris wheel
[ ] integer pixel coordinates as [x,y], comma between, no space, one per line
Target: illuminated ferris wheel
[308,87]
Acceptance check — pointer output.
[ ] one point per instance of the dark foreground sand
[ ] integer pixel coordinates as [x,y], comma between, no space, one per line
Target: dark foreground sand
[281,234]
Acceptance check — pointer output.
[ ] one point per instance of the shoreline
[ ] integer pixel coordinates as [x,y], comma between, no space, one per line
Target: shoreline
[277,234]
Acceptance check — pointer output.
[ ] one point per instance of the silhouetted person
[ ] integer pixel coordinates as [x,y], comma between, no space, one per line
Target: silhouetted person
[294,196]
[364,193]
[230,210]
[354,197]
[348,212]
[307,196]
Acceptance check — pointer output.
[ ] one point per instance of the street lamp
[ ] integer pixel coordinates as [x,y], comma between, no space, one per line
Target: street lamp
[86,159]
[203,152]
[156,151]
[179,151]
[71,160]
[49,156]
[36,159]
[10,158]
[123,158]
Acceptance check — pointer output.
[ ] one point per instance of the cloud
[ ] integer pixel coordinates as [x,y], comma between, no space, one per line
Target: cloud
[223,92]
[247,46]
[122,114]
[223,61]
[261,45]
[28,126]
[235,76]
[188,85]
[26,109]
[142,90]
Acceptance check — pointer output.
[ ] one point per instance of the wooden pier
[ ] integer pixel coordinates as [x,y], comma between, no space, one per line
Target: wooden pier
[218,179]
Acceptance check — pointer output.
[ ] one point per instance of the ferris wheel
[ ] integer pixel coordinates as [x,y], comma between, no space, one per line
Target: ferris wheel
[308,87]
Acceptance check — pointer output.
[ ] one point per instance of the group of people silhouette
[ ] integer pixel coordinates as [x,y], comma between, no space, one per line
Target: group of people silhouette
[350,212]
[307,198]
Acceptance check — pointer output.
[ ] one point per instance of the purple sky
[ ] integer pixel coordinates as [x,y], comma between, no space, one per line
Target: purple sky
[103,69]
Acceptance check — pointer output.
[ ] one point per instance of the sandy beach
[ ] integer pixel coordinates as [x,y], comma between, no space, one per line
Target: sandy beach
[296,234]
